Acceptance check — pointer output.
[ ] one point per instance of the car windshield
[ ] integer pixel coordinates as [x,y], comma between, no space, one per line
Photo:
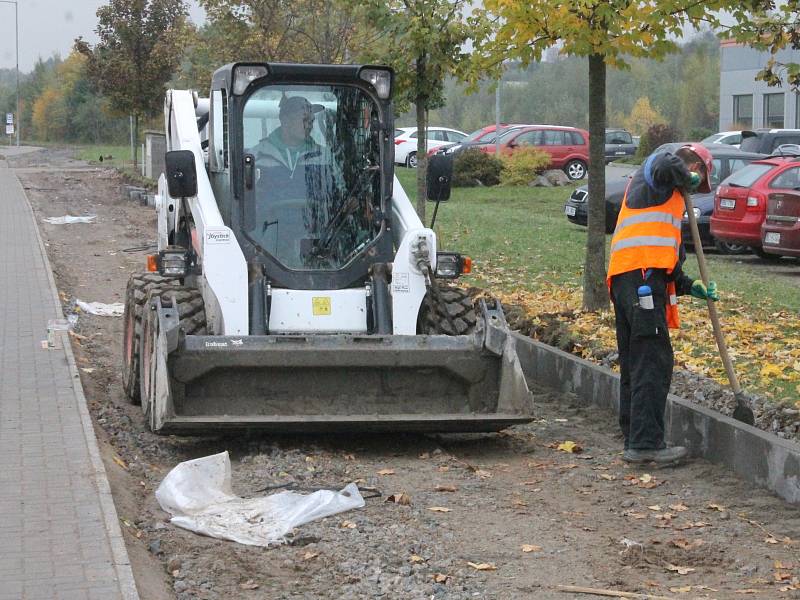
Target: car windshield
[618,137]
[479,134]
[712,139]
[747,176]
[505,133]
[316,181]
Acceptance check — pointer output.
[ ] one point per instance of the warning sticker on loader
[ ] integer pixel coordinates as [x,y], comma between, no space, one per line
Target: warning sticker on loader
[320,306]
[218,236]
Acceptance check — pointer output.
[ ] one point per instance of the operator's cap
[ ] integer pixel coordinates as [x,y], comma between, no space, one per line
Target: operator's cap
[698,153]
[291,105]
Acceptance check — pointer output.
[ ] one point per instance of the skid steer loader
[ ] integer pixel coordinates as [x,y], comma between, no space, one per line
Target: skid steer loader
[295,288]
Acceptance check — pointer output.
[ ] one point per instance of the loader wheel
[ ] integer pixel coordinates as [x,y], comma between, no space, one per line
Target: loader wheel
[447,311]
[139,286]
[191,310]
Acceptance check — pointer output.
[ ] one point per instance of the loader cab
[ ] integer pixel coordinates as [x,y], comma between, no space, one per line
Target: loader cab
[301,162]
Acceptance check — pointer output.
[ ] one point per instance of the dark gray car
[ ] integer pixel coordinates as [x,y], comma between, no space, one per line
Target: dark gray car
[619,144]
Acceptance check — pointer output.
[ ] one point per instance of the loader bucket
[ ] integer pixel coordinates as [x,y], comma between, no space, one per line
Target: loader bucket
[321,383]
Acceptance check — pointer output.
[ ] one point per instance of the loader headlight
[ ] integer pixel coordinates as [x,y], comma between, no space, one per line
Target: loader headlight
[244,75]
[450,265]
[173,263]
[381,80]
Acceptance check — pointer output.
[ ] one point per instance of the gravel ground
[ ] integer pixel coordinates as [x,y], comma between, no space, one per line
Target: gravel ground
[585,518]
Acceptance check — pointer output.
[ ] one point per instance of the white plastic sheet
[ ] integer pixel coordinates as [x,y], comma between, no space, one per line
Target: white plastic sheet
[67,219]
[198,495]
[104,310]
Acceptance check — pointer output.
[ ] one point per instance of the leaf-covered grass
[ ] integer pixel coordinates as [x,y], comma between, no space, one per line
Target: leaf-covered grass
[524,250]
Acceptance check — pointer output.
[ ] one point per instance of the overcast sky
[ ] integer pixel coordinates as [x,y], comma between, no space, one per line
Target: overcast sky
[50,26]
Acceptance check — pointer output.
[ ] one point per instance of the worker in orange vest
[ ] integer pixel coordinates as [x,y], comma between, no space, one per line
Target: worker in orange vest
[644,279]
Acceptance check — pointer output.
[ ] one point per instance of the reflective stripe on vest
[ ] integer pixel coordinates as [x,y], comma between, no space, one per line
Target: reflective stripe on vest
[645,240]
[648,217]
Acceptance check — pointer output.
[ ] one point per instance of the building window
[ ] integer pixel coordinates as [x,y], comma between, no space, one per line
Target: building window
[743,110]
[773,110]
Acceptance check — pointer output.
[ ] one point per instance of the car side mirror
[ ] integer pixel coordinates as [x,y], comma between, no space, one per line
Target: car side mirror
[440,173]
[181,173]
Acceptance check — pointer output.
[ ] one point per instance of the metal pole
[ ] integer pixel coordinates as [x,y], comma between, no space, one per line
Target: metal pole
[16,45]
[16,41]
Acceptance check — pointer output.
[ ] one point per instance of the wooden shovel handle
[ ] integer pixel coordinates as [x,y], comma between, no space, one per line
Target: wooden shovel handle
[712,309]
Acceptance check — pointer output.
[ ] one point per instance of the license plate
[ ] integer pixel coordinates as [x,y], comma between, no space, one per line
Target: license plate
[622,153]
[772,237]
[727,203]
[569,211]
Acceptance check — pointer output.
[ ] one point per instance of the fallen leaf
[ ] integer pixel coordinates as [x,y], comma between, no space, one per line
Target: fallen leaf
[87,370]
[570,446]
[607,477]
[424,456]
[402,498]
[782,565]
[681,590]
[781,576]
[654,507]
[770,540]
[249,585]
[531,548]
[440,578]
[679,570]
[747,591]
[349,457]
[482,566]
[438,509]
[386,472]
[443,469]
[635,515]
[347,525]
[483,474]
[678,507]
[416,558]
[446,488]
[646,478]
[685,544]
[309,555]
[120,462]
[715,506]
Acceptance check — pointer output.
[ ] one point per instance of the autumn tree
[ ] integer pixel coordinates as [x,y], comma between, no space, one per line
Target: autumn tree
[643,116]
[423,41]
[607,32]
[139,48]
[307,31]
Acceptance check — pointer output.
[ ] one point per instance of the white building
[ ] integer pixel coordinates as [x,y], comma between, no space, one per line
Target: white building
[745,103]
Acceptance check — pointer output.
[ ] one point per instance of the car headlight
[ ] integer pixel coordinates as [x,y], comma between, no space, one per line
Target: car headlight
[696,212]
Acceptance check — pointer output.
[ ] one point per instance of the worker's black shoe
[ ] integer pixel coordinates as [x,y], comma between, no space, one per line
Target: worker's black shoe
[664,456]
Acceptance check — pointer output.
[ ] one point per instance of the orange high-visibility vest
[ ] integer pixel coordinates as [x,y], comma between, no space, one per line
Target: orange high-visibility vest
[649,238]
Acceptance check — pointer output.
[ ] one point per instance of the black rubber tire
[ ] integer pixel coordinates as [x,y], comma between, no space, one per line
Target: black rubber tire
[450,312]
[729,248]
[575,170]
[759,252]
[192,314]
[139,287]
[411,160]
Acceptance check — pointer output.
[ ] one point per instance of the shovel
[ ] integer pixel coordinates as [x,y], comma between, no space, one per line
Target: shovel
[742,412]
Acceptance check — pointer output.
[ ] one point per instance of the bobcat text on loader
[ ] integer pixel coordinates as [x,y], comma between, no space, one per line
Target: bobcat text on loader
[295,288]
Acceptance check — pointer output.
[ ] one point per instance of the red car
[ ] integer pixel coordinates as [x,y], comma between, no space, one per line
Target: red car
[740,204]
[780,232]
[568,147]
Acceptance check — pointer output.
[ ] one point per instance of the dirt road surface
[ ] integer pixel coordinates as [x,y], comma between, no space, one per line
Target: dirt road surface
[521,516]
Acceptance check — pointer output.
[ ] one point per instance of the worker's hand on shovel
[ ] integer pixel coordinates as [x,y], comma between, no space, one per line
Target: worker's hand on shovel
[699,290]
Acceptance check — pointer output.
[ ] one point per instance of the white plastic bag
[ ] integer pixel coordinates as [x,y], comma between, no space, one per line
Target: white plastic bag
[104,310]
[67,219]
[198,495]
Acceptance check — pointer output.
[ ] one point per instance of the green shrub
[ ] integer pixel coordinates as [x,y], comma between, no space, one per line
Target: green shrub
[698,133]
[522,167]
[473,167]
[654,137]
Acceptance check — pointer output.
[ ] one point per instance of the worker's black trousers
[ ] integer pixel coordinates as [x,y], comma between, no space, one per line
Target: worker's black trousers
[645,359]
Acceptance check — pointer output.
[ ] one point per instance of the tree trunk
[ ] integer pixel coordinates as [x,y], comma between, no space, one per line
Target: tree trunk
[595,293]
[422,162]
[422,133]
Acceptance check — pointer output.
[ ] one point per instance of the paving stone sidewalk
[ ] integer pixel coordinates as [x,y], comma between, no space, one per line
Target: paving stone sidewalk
[59,532]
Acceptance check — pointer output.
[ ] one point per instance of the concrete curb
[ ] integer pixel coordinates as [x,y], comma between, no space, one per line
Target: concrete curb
[754,455]
[122,566]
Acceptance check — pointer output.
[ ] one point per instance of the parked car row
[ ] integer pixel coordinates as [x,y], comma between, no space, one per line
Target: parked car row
[405,142]
[727,160]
